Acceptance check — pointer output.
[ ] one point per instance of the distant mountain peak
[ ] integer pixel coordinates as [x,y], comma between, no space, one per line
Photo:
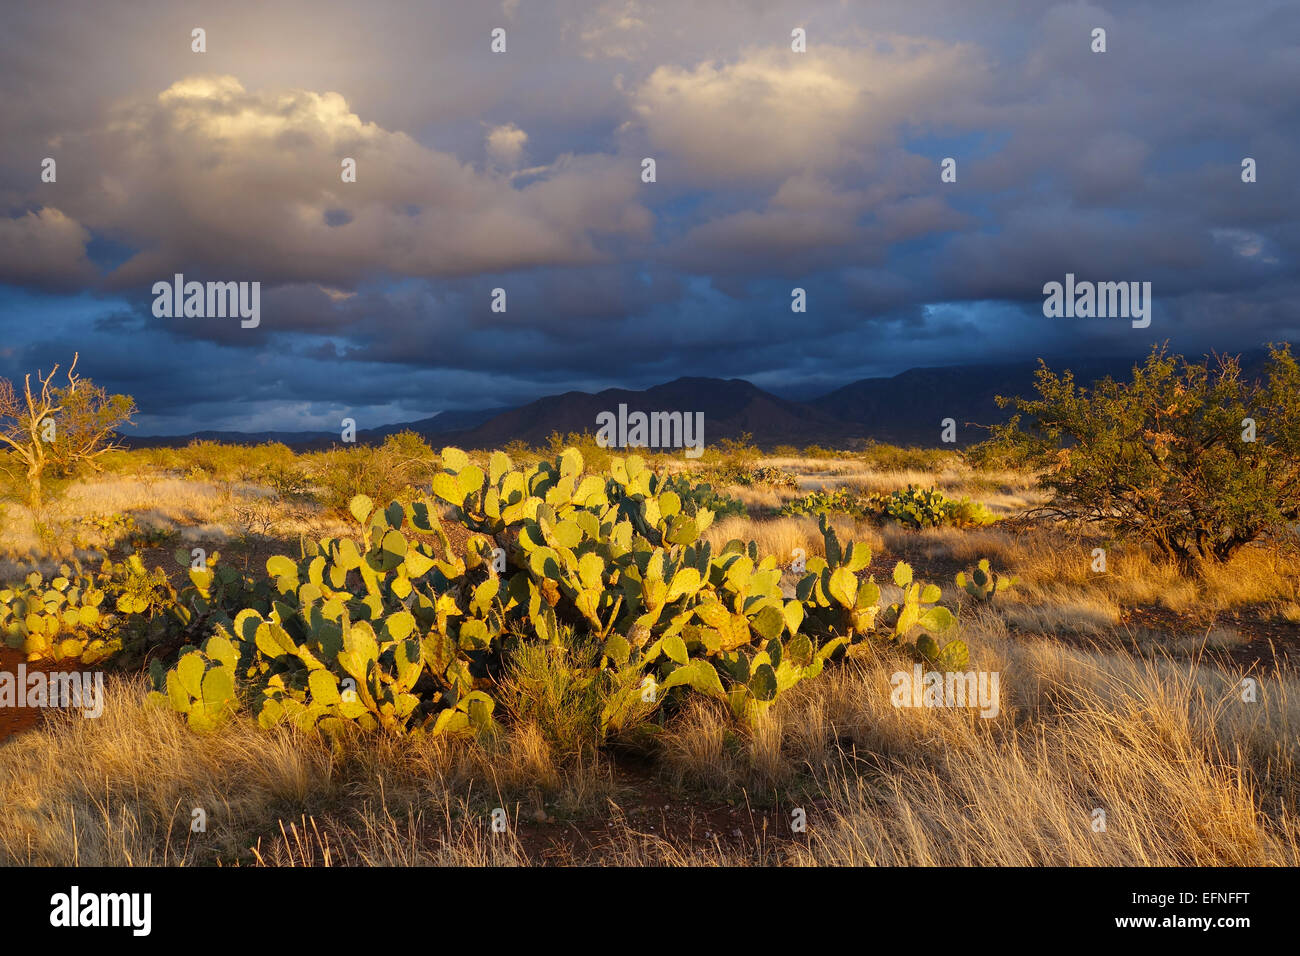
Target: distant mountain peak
[906,409]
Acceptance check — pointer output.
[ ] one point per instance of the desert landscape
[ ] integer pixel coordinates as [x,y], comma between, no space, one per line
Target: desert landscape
[397,655]
[849,450]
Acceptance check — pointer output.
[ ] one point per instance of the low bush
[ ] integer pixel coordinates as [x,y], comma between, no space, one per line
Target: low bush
[751,475]
[1197,459]
[387,472]
[912,507]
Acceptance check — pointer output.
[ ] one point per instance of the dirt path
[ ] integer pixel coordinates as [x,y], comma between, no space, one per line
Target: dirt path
[17,719]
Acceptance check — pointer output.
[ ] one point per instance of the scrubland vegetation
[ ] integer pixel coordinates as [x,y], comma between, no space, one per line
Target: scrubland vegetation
[368,655]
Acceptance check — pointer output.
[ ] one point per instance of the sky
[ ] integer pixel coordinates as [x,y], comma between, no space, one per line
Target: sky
[522,170]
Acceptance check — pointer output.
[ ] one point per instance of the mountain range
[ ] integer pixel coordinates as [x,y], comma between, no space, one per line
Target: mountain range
[904,409]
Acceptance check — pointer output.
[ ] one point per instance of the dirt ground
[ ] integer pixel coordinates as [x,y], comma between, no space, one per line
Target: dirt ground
[16,720]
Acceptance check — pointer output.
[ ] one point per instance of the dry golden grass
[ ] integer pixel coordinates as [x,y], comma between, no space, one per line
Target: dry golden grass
[1186,772]
[1288,611]
[760,497]
[815,466]
[1005,492]
[120,790]
[1069,612]
[781,536]
[198,511]
[1054,567]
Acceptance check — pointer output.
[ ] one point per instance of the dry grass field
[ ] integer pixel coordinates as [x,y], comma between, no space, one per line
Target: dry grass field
[1123,733]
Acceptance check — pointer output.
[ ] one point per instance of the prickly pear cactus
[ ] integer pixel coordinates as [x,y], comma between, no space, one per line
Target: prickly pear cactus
[392,629]
[983,583]
[63,618]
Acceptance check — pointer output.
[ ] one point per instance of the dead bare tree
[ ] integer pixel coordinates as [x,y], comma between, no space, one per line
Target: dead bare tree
[59,427]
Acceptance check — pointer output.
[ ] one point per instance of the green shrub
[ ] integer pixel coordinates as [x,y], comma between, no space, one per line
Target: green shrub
[817,451]
[387,472]
[1199,461]
[596,455]
[290,483]
[564,690]
[751,475]
[893,458]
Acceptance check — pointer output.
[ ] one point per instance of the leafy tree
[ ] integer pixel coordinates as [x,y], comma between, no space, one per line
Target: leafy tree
[1169,456]
[59,429]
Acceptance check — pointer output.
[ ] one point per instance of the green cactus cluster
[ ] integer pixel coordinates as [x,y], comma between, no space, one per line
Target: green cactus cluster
[695,494]
[118,613]
[841,501]
[983,583]
[929,508]
[107,528]
[202,683]
[62,618]
[849,606]
[912,507]
[393,630]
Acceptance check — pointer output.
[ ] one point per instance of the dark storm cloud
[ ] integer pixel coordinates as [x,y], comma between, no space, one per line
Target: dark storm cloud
[521,171]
